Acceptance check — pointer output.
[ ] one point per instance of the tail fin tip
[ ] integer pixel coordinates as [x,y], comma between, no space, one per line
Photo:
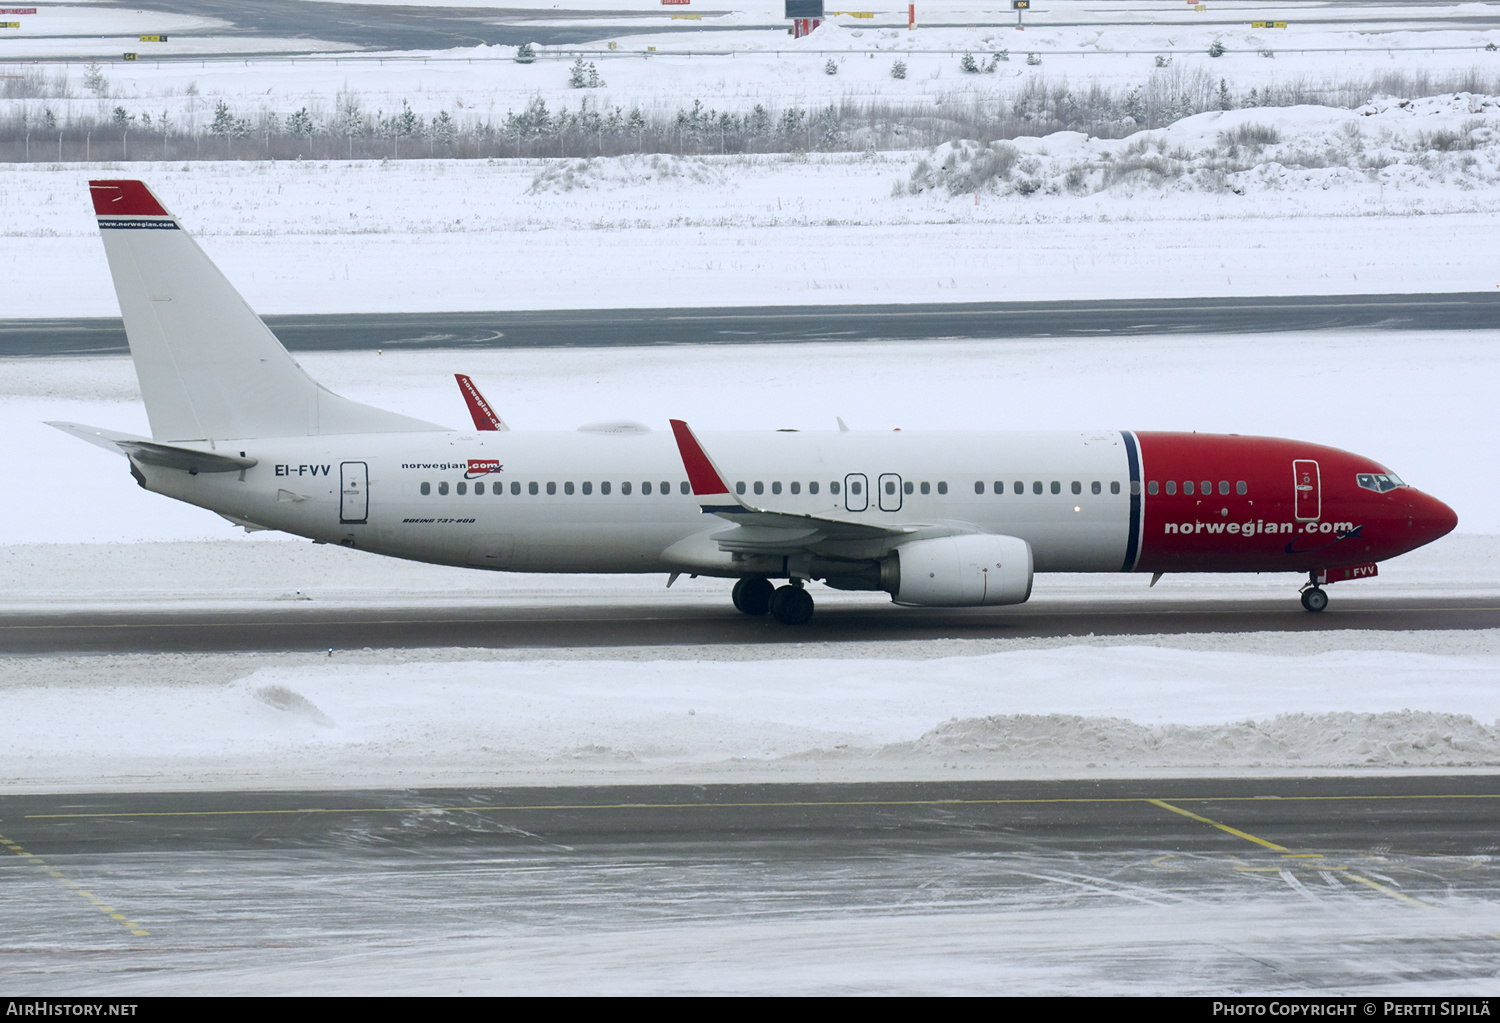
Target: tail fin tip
[122,198]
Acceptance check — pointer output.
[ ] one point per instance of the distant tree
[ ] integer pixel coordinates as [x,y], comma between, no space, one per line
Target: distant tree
[830,68]
[525,53]
[122,120]
[595,81]
[898,69]
[969,65]
[300,123]
[223,122]
[1033,59]
[94,80]
[578,74]
[1216,48]
[1224,101]
[1163,61]
[443,128]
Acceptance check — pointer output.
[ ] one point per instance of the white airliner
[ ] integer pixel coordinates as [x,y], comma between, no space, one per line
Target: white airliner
[946,519]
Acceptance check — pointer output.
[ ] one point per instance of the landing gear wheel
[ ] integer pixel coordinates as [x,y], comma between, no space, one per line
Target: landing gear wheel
[1314,599]
[753,595]
[792,605]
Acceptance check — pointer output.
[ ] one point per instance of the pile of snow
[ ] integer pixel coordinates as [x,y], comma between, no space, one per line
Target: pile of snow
[899,711]
[1343,739]
[1443,143]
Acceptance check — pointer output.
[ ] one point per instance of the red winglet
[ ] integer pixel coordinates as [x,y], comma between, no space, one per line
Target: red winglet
[479,410]
[702,475]
[125,199]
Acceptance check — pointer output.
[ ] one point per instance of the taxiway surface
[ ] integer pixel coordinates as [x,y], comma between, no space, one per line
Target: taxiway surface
[43,338]
[613,624]
[1313,885]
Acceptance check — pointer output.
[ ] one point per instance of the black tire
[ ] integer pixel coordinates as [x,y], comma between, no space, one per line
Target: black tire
[792,605]
[1314,599]
[753,596]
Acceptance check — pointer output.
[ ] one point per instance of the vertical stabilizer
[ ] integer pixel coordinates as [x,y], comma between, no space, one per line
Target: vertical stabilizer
[209,369]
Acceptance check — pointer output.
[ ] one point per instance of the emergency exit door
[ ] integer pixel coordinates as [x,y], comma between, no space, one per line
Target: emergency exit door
[354,492]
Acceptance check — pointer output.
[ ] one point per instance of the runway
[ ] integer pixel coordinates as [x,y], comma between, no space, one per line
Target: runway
[93,336]
[1181,886]
[395,27]
[611,624]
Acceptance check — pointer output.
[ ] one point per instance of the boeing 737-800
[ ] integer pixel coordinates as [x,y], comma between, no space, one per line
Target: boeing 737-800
[946,519]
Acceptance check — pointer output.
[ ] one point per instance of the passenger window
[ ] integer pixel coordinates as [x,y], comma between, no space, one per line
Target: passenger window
[909,487]
[462,488]
[833,488]
[1151,488]
[979,486]
[479,488]
[926,488]
[1036,486]
[1056,487]
[1240,488]
[1020,487]
[776,487]
[942,487]
[1208,488]
[604,488]
[739,488]
[666,489]
[588,488]
[890,487]
[1114,486]
[760,488]
[683,486]
[1187,487]
[515,488]
[551,488]
[426,489]
[1171,486]
[568,488]
[1223,488]
[796,487]
[646,487]
[1077,487]
[812,488]
[625,488]
[533,489]
[856,489]
[999,487]
[443,487]
[1095,488]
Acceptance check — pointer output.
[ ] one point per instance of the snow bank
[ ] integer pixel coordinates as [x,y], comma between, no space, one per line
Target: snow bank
[463,717]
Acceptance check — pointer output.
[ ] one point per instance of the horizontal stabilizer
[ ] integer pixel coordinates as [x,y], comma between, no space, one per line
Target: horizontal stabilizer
[98,436]
[149,452]
[169,457]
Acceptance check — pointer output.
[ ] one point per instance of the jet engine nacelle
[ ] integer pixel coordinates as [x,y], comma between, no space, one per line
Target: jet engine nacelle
[972,570]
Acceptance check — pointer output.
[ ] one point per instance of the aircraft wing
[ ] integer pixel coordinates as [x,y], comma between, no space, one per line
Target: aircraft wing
[765,530]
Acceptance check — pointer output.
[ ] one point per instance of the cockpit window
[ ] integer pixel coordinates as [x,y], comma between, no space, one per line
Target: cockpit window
[1379,482]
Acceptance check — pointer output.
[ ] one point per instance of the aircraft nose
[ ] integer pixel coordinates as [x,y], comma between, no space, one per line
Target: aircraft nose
[1431,518]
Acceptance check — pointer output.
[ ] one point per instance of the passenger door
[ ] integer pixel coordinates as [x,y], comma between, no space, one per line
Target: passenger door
[1307,493]
[354,492]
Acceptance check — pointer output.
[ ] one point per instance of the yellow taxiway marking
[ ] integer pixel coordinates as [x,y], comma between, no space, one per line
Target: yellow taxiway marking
[1236,832]
[1382,889]
[98,903]
[770,805]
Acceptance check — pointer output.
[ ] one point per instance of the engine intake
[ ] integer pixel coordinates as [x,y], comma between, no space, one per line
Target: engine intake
[973,570]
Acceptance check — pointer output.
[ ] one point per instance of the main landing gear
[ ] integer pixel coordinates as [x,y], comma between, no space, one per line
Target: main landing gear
[789,605]
[1314,598]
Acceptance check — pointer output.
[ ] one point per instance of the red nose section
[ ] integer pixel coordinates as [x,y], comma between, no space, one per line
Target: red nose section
[1431,518]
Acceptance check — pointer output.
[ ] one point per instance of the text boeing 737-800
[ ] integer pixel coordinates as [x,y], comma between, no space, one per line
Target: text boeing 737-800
[946,519]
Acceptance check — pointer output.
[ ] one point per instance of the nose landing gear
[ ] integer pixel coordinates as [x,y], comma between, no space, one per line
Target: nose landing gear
[1314,597]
